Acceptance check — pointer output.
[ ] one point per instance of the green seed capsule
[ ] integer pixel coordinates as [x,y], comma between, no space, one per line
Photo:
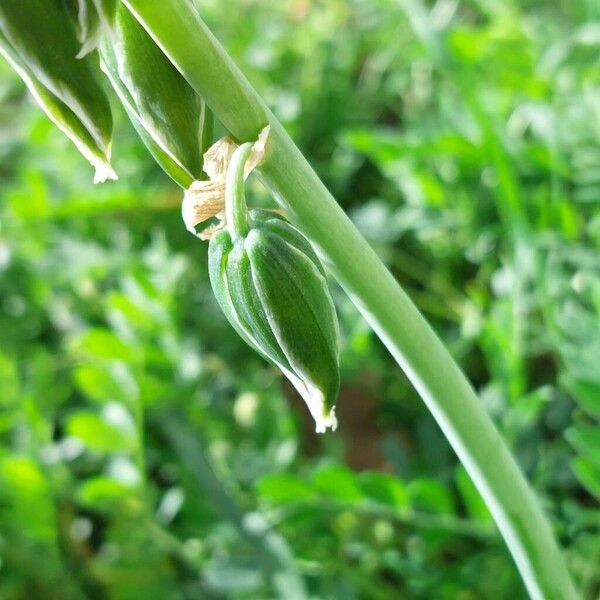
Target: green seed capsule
[39,40]
[272,288]
[162,106]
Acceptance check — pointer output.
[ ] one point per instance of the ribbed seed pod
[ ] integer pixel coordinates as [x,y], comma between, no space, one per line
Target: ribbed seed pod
[272,288]
[39,39]
[162,106]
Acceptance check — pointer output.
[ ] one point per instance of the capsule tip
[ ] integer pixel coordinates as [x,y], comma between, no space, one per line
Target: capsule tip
[321,410]
[326,421]
[104,172]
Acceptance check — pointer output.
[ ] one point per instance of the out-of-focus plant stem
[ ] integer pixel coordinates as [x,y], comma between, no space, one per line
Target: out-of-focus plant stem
[178,29]
[272,551]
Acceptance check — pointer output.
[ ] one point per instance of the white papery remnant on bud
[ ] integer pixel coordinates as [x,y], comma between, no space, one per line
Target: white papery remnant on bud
[204,200]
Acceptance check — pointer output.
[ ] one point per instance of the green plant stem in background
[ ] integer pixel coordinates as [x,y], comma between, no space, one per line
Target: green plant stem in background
[183,36]
[271,550]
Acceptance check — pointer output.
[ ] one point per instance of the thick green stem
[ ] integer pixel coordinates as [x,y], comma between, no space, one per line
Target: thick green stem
[181,33]
[236,210]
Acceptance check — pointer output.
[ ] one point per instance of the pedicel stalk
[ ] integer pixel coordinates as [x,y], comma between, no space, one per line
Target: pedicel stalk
[177,28]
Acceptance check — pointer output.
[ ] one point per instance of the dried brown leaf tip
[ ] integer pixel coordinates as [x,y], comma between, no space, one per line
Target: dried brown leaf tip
[204,200]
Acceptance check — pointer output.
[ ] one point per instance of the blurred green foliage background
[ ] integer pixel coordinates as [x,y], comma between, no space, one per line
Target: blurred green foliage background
[146,452]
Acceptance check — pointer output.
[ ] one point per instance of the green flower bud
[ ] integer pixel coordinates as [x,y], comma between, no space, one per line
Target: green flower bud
[94,17]
[163,107]
[39,40]
[272,288]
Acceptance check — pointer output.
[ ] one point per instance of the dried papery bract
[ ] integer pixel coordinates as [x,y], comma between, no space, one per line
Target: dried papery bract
[218,157]
[205,199]
[202,201]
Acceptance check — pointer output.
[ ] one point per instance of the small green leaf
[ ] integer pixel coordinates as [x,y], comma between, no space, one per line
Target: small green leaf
[136,317]
[585,393]
[338,482]
[97,434]
[284,487]
[383,488]
[586,440]
[25,493]
[103,344]
[105,383]
[102,493]
[9,382]
[588,475]
[23,477]
[430,496]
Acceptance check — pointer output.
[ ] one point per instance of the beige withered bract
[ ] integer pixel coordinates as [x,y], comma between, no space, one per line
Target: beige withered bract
[67,88]
[204,200]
